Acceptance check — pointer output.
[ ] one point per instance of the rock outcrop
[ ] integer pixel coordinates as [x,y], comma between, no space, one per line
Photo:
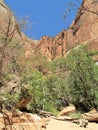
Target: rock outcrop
[83,29]
[53,47]
[19,120]
[10,29]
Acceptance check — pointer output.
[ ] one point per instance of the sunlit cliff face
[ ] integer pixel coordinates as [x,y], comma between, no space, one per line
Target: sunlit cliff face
[83,29]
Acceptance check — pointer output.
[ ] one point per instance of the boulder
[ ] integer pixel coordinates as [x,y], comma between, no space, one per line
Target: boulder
[67,110]
[83,122]
[91,116]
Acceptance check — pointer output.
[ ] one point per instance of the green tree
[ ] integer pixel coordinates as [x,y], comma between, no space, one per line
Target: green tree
[82,82]
[37,88]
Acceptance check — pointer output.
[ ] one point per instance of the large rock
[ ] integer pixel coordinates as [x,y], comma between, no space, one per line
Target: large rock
[21,120]
[21,126]
[91,116]
[67,110]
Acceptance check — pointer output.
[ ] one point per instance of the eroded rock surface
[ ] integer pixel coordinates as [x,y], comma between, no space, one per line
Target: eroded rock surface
[19,120]
[83,29]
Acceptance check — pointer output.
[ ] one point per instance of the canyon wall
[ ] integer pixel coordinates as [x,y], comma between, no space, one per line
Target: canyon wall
[84,29]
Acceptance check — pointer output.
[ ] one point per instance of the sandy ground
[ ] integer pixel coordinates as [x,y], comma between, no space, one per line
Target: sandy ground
[64,125]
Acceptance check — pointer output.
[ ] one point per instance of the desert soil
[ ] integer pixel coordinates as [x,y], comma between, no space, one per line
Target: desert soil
[65,125]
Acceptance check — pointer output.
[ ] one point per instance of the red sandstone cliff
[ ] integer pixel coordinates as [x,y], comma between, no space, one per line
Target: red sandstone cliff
[83,29]
[9,29]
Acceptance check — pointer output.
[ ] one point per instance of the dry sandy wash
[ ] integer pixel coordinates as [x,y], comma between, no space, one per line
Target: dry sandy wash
[64,125]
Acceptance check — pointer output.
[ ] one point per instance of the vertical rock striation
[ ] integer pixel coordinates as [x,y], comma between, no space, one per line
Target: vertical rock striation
[83,29]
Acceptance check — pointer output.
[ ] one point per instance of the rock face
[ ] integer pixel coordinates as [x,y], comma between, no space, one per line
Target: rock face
[83,29]
[9,28]
[53,47]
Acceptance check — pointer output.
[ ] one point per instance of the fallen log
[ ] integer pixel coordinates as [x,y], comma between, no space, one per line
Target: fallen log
[23,102]
[45,113]
[66,118]
[80,122]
